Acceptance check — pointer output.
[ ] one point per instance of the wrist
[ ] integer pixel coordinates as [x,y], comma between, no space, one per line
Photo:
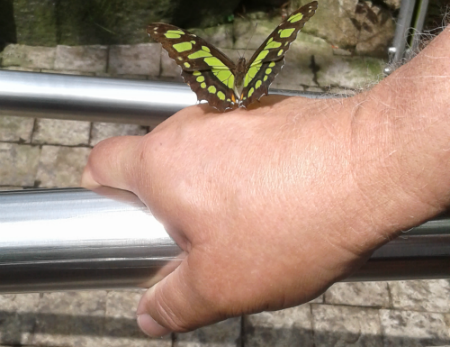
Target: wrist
[400,141]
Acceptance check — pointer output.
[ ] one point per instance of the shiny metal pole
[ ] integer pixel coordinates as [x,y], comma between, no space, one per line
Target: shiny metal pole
[67,239]
[42,95]
[399,45]
[70,239]
[422,253]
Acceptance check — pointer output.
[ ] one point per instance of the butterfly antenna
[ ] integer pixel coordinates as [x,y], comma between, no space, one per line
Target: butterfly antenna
[250,39]
[228,33]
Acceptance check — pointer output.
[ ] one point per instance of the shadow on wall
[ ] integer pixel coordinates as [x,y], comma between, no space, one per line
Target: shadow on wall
[14,325]
[66,22]
[7,25]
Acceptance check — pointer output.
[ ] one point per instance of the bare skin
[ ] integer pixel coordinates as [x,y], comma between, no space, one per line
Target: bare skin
[273,205]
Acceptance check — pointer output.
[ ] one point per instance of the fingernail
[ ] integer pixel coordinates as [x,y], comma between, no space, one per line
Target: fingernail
[86,179]
[150,327]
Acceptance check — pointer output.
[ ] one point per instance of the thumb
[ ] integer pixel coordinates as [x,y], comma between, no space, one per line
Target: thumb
[145,321]
[176,304]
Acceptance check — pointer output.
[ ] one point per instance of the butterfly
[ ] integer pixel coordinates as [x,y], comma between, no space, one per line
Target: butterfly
[216,78]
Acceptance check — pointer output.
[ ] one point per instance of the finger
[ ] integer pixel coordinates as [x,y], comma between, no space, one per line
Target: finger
[146,322]
[112,163]
[87,181]
[176,304]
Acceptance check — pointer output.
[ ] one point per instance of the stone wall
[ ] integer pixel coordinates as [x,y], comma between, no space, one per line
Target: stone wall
[378,314]
[52,153]
[359,27]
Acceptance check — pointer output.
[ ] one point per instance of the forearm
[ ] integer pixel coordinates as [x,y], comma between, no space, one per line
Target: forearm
[401,140]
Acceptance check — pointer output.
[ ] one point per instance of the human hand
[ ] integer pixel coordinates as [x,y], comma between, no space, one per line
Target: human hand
[271,205]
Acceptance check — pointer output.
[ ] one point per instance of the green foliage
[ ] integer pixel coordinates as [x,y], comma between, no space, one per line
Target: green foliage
[437,15]
[77,22]
[107,21]
[35,22]
[7,27]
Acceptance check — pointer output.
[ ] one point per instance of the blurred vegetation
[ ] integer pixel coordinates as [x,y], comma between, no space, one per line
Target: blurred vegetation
[7,24]
[438,16]
[51,22]
[80,22]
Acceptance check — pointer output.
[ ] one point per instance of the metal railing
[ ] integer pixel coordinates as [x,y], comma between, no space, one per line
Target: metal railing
[407,33]
[68,239]
[41,95]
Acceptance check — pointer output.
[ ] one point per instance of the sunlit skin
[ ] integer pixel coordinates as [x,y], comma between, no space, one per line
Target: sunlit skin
[274,204]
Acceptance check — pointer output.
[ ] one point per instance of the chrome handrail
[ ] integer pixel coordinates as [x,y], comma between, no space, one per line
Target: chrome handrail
[69,239]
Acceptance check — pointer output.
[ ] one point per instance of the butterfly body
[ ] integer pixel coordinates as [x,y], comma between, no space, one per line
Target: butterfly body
[216,78]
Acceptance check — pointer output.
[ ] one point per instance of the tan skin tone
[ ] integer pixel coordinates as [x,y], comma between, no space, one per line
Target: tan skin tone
[273,205]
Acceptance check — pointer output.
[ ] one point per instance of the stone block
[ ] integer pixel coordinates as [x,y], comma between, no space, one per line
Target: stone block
[414,329]
[288,327]
[249,35]
[376,30]
[18,164]
[61,132]
[143,59]
[373,294]
[81,58]
[234,54]
[85,318]
[123,303]
[131,77]
[426,295]
[346,326]
[68,72]
[319,300]
[170,69]
[19,303]
[32,57]
[395,4]
[341,91]
[70,319]
[16,129]
[16,327]
[91,303]
[223,334]
[101,131]
[349,23]
[220,36]
[121,328]
[18,68]
[300,68]
[61,166]
[314,89]
[9,188]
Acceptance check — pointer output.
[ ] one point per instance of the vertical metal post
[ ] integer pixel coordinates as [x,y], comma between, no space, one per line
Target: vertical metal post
[397,50]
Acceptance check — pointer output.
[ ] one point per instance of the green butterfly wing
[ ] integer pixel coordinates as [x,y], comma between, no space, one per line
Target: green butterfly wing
[213,76]
[208,71]
[268,60]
